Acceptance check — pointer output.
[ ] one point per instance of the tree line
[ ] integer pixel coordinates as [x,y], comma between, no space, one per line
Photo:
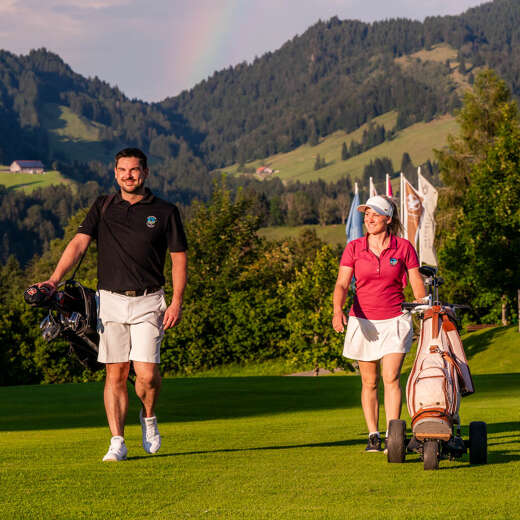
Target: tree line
[251,300]
[242,303]
[29,222]
[338,74]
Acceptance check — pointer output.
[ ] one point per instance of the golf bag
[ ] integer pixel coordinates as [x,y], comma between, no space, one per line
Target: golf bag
[440,374]
[72,316]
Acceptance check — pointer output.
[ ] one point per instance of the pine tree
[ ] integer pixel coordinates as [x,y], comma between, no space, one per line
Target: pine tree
[344,151]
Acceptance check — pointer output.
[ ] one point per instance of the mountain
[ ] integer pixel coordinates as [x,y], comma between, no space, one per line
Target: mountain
[335,80]
[340,74]
[76,124]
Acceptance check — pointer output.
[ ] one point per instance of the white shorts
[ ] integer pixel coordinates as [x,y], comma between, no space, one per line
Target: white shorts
[370,340]
[130,327]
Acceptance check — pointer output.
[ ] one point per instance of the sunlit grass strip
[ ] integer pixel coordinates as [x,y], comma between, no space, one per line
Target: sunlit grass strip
[257,447]
[29,182]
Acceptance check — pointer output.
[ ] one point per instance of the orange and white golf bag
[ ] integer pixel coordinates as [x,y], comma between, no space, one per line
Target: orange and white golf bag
[439,377]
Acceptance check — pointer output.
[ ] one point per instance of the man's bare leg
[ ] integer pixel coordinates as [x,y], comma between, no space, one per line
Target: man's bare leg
[116,396]
[147,385]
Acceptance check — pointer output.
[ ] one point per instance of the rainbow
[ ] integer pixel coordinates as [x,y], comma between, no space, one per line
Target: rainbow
[205,37]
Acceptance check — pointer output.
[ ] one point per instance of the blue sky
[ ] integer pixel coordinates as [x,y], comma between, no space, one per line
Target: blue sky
[152,49]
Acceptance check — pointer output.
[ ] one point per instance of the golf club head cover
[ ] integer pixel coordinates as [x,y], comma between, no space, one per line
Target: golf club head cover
[37,296]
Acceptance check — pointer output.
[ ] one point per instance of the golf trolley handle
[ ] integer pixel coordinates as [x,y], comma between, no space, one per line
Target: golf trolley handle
[415,307]
[421,307]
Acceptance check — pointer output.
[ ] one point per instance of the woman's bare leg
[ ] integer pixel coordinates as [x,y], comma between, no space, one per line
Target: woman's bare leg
[391,371]
[369,400]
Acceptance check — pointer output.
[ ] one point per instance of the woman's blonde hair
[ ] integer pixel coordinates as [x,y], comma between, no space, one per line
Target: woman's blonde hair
[395,227]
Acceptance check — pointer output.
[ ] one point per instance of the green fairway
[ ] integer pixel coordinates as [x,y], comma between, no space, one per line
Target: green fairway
[29,182]
[247,447]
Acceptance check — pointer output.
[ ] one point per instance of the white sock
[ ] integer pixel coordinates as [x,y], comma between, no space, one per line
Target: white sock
[374,433]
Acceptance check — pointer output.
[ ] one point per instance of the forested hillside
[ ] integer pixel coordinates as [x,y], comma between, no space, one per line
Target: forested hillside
[76,124]
[339,74]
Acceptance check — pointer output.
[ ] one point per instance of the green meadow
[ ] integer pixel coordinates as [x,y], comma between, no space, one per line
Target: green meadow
[254,447]
[333,234]
[418,140]
[75,136]
[29,182]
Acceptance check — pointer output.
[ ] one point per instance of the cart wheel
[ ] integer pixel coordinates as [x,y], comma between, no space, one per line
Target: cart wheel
[431,454]
[396,441]
[477,442]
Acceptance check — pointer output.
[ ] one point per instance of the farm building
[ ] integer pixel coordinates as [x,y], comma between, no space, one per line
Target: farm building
[264,169]
[27,167]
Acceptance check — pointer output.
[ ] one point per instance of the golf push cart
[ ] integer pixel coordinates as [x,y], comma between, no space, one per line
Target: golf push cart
[440,376]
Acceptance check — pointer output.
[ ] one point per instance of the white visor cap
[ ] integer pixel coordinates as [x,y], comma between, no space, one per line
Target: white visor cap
[379,204]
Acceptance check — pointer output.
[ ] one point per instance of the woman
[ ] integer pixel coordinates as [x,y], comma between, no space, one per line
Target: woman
[378,334]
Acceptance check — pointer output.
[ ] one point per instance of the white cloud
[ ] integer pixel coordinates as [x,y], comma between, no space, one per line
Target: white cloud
[86,5]
[8,6]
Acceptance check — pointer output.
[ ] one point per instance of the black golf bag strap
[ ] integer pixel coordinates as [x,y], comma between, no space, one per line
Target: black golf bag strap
[108,200]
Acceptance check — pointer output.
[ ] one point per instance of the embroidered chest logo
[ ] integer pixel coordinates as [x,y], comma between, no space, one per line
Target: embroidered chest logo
[393,261]
[151,222]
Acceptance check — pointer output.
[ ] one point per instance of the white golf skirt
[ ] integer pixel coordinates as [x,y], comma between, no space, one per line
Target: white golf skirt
[370,340]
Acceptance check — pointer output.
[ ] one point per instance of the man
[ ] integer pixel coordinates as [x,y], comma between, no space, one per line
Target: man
[133,229]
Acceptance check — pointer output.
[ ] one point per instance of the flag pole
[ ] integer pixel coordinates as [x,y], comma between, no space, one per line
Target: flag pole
[420,222]
[401,195]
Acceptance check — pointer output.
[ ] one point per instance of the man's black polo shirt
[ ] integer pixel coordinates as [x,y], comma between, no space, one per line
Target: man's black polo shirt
[132,240]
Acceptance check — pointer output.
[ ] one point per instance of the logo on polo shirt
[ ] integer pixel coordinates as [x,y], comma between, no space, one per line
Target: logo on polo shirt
[393,261]
[151,222]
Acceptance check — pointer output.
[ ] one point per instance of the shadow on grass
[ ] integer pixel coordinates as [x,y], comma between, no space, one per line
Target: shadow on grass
[476,343]
[23,184]
[494,458]
[181,400]
[202,399]
[504,427]
[352,442]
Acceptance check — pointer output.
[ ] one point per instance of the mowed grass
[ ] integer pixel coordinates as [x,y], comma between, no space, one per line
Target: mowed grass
[246,447]
[503,357]
[29,182]
[418,140]
[333,234]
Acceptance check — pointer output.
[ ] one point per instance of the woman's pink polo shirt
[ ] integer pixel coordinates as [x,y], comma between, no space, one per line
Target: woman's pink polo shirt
[379,281]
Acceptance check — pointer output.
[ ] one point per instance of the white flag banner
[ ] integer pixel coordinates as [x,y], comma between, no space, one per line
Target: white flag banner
[429,195]
[371,188]
[412,211]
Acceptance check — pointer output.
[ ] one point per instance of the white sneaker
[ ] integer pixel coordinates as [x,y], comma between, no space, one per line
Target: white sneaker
[117,450]
[151,437]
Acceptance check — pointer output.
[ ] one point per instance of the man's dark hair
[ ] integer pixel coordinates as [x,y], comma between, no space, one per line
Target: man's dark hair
[133,152]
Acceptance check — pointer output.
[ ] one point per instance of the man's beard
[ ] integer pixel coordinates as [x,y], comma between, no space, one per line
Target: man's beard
[133,189]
